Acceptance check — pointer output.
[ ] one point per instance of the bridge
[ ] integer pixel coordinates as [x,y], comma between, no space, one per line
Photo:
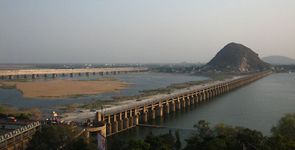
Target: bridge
[18,138]
[120,118]
[53,73]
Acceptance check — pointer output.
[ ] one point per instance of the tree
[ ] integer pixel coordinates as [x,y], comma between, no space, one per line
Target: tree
[55,137]
[224,137]
[138,145]
[283,135]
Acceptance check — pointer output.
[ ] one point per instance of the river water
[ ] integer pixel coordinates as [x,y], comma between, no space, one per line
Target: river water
[258,105]
[139,81]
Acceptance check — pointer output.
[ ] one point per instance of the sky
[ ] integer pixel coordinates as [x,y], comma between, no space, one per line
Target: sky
[141,31]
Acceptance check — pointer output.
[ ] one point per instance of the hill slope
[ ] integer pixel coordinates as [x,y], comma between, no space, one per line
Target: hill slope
[279,60]
[236,58]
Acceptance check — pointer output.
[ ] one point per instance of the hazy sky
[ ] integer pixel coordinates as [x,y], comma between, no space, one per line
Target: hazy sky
[141,31]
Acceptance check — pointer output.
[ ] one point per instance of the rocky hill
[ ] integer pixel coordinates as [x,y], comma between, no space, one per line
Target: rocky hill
[236,58]
[279,60]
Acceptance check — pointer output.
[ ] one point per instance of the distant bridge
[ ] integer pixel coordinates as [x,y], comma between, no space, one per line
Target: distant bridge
[123,117]
[36,73]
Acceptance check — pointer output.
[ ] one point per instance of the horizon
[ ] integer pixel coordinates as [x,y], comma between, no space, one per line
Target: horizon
[141,31]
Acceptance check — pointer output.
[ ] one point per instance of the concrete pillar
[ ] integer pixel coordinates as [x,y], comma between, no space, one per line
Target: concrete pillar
[109,125]
[54,75]
[183,102]
[200,97]
[121,122]
[188,101]
[167,109]
[160,109]
[126,119]
[145,114]
[192,99]
[153,112]
[33,76]
[10,77]
[71,75]
[197,98]
[173,105]
[136,119]
[98,117]
[115,124]
[204,96]
[131,123]
[178,104]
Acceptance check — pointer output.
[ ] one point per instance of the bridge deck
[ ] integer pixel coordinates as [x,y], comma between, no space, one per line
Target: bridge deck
[66,71]
[161,97]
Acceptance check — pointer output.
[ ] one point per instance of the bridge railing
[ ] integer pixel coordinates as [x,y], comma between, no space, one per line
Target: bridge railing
[19,131]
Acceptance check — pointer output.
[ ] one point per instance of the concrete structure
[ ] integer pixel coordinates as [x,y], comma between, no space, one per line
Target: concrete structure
[124,117]
[35,73]
[19,138]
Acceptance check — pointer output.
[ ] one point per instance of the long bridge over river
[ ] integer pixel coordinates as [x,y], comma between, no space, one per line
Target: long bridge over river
[38,73]
[123,117]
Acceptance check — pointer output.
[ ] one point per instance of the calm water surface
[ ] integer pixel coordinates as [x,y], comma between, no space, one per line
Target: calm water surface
[139,81]
[258,105]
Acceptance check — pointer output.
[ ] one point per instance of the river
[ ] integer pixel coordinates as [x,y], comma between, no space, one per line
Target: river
[139,81]
[258,105]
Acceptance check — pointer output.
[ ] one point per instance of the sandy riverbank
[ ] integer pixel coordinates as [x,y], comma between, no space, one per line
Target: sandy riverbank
[64,88]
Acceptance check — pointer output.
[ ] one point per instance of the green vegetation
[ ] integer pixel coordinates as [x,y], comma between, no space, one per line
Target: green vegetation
[55,137]
[21,114]
[222,137]
[151,142]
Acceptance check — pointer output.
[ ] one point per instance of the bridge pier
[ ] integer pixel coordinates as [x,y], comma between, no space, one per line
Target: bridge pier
[173,105]
[126,120]
[188,101]
[192,99]
[115,124]
[178,104]
[167,108]
[183,105]
[10,77]
[121,122]
[136,115]
[153,112]
[54,75]
[160,109]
